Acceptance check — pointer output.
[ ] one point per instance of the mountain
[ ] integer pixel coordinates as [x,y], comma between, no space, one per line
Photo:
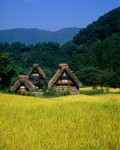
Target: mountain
[104,27]
[33,35]
[98,58]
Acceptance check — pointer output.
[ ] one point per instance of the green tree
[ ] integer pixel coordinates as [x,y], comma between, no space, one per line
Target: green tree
[7,70]
[89,76]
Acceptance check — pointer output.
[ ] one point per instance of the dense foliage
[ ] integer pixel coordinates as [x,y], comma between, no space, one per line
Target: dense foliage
[105,26]
[93,55]
[98,59]
[7,70]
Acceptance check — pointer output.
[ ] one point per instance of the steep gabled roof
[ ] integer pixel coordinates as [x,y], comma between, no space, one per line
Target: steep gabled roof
[23,80]
[40,71]
[63,67]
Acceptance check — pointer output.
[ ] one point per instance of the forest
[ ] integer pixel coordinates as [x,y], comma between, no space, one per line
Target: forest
[93,55]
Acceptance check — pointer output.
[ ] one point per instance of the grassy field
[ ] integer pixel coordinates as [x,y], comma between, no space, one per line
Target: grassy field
[77,122]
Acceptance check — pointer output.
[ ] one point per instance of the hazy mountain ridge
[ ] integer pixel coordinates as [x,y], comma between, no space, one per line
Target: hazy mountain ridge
[34,35]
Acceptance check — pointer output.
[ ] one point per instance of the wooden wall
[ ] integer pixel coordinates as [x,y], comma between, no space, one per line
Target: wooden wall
[73,89]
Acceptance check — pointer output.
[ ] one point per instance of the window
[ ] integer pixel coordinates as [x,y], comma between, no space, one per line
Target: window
[22,87]
[64,80]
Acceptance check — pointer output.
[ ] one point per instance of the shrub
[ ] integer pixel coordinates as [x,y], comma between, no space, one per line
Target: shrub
[92,92]
[30,93]
[67,92]
[107,89]
[54,93]
[51,93]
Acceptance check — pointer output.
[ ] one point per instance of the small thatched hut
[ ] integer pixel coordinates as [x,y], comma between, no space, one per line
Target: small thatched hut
[37,76]
[65,79]
[22,85]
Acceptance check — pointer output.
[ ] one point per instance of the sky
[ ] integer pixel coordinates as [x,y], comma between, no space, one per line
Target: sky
[52,15]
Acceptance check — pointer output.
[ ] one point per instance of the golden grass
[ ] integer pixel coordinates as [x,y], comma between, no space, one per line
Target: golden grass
[77,122]
[113,90]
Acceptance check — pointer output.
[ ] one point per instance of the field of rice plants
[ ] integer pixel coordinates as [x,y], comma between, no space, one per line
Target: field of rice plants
[111,90]
[76,122]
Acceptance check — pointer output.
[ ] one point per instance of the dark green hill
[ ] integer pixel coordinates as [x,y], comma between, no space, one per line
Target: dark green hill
[102,28]
[32,36]
[98,59]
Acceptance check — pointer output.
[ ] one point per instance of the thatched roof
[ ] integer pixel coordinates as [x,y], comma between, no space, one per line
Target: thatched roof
[23,80]
[40,71]
[63,67]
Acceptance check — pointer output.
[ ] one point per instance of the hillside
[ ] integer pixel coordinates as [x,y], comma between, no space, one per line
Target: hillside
[32,36]
[99,51]
[104,27]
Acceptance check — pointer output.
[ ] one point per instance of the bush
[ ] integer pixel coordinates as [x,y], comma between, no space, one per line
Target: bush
[54,93]
[64,93]
[107,89]
[30,93]
[51,93]
[92,92]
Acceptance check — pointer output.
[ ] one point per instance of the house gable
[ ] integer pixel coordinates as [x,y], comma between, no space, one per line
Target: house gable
[65,79]
[23,84]
[22,88]
[35,74]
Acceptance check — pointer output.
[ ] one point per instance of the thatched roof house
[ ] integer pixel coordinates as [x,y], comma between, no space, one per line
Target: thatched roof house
[23,85]
[37,76]
[65,78]
[36,72]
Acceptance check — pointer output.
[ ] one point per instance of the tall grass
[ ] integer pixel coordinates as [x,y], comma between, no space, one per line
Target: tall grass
[104,89]
[73,122]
